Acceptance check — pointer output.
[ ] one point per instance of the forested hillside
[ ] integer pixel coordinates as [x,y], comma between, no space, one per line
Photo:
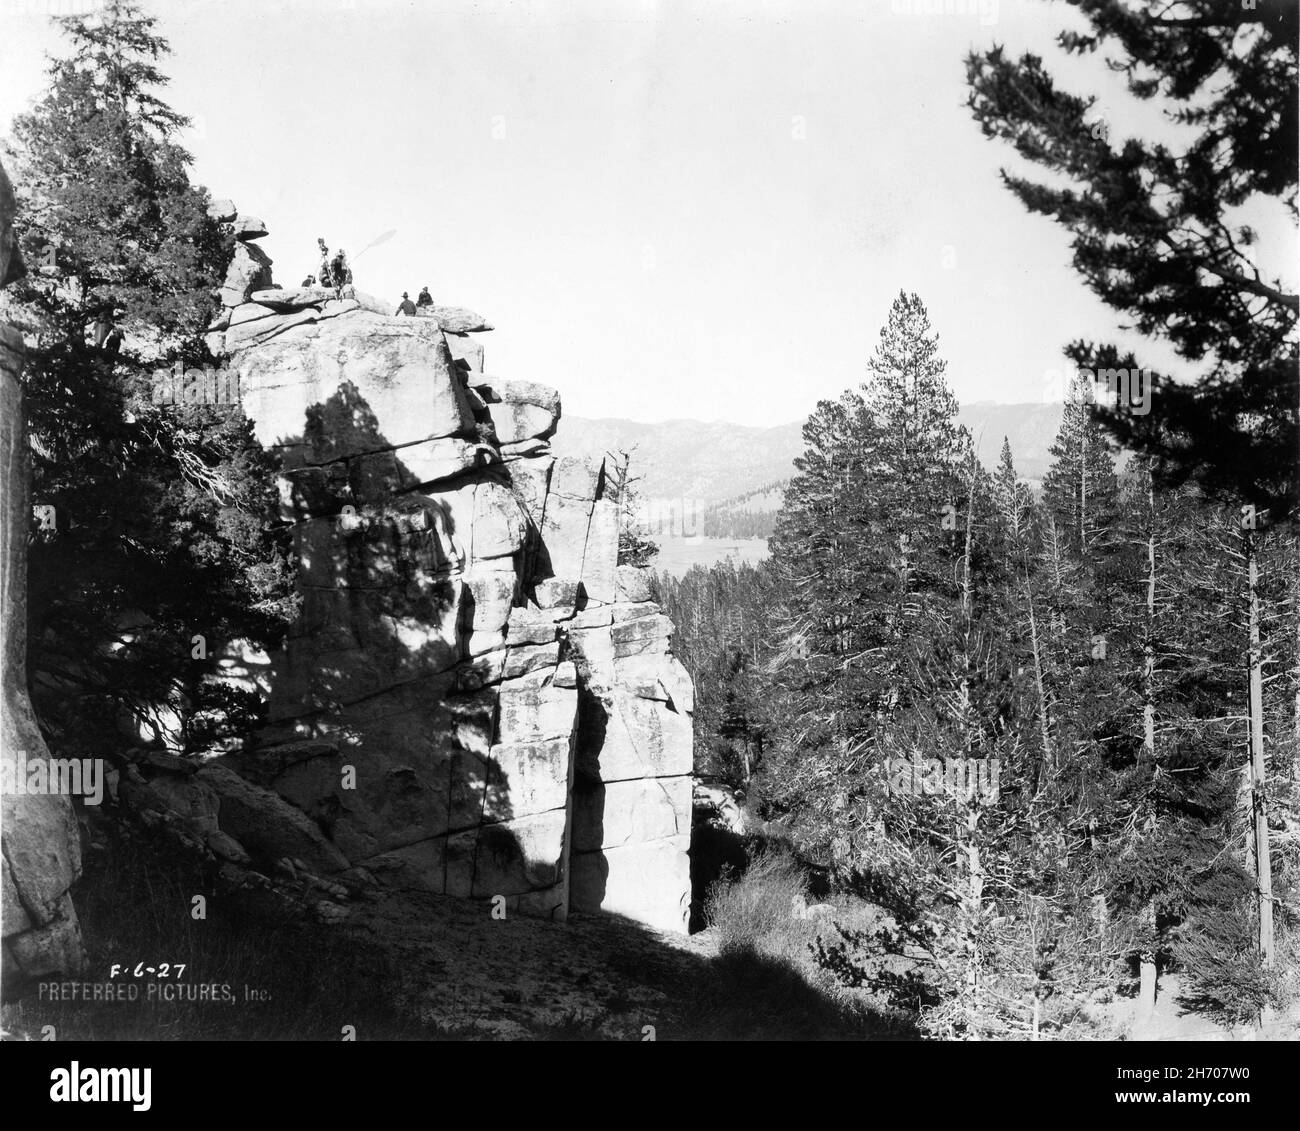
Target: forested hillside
[751,515]
[1091,644]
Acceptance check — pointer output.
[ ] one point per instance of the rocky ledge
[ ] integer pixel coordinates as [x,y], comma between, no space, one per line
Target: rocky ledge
[477,699]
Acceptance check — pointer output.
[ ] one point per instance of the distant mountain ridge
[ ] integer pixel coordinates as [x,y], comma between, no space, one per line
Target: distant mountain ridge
[715,462]
[688,459]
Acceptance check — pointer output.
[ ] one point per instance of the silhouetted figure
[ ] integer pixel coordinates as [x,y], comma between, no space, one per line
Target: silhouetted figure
[326,279]
[310,281]
[425,298]
[340,272]
[103,327]
[107,336]
[406,307]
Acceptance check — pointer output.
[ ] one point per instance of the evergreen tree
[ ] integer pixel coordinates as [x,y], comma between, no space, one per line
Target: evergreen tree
[1080,487]
[918,467]
[1012,498]
[870,548]
[828,551]
[722,636]
[1156,229]
[162,524]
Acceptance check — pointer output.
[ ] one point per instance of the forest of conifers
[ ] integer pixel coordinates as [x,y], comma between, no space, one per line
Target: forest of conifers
[1094,639]
[1124,645]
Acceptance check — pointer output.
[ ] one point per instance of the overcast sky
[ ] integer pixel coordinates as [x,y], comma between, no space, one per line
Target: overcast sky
[667,209]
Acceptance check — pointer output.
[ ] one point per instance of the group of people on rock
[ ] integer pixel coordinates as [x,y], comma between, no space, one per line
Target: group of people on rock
[337,274]
[333,272]
[407,308]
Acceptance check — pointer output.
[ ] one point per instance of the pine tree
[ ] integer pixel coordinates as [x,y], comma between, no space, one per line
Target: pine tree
[1155,227]
[162,527]
[722,636]
[1080,487]
[827,552]
[918,470]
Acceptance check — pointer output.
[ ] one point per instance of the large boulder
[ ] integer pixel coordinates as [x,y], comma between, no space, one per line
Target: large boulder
[248,228]
[467,352]
[455,319]
[266,825]
[293,298]
[515,423]
[223,210]
[42,846]
[249,270]
[350,386]
[502,390]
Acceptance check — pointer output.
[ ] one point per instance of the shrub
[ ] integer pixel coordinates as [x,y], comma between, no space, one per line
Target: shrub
[754,913]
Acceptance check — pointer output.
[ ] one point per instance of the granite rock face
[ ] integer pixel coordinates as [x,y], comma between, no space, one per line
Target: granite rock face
[42,847]
[476,699]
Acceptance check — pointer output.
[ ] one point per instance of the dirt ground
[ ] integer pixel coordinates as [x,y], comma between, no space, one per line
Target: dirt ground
[1172,1021]
[519,977]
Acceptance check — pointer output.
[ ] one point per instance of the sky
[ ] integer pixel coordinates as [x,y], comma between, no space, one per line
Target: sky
[668,210]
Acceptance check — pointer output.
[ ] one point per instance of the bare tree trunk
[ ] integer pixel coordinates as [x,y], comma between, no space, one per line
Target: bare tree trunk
[1295,615]
[1147,990]
[967,730]
[1147,974]
[1258,769]
[965,564]
[1148,647]
[1054,545]
[974,983]
[1083,492]
[1049,758]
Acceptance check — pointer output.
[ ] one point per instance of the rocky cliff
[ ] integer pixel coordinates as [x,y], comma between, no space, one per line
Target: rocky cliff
[42,848]
[476,699]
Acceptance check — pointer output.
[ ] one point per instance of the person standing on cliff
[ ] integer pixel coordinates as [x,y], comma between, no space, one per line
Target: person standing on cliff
[406,307]
[325,280]
[341,272]
[424,298]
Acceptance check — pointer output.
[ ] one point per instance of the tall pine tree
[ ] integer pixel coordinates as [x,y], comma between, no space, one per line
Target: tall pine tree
[1157,229]
[162,524]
